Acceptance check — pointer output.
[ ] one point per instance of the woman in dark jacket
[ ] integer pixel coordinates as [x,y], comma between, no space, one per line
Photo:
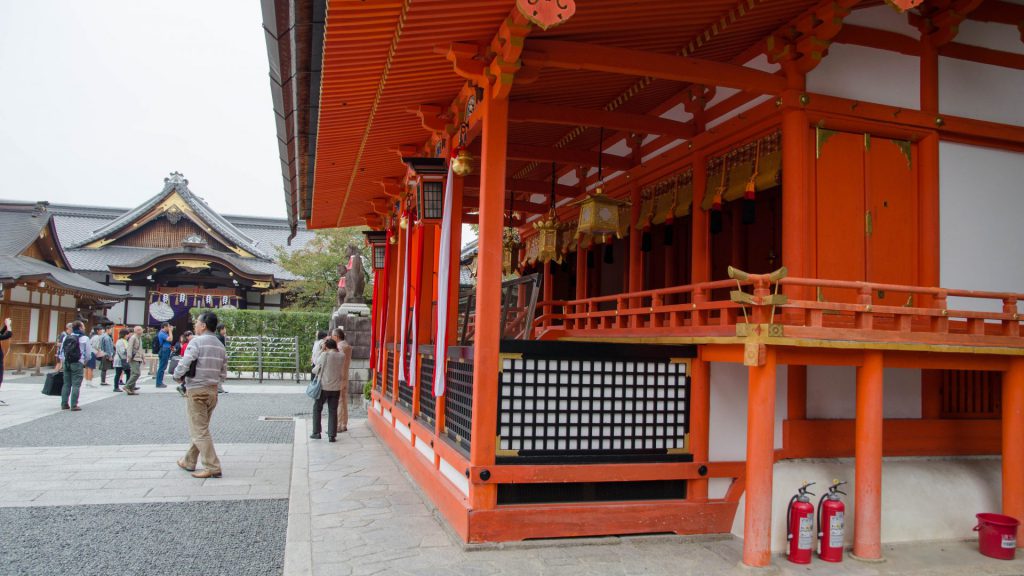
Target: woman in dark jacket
[5,334]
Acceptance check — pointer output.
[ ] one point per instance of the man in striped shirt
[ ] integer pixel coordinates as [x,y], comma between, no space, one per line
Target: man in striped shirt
[211,368]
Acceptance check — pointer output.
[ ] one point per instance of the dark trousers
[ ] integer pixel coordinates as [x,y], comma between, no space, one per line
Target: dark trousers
[330,398]
[126,370]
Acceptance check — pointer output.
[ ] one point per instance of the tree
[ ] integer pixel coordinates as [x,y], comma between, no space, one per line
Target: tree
[316,266]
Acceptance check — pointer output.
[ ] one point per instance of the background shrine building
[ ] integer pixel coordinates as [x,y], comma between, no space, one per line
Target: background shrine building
[174,252]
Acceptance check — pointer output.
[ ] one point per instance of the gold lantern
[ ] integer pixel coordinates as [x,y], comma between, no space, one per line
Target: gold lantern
[462,164]
[549,247]
[600,214]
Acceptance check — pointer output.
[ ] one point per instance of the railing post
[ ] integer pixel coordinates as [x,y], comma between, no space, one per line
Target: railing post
[864,321]
[259,356]
[940,323]
[698,298]
[1011,325]
[298,373]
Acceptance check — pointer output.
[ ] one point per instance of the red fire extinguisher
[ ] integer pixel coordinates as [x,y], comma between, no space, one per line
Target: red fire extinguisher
[831,523]
[800,526]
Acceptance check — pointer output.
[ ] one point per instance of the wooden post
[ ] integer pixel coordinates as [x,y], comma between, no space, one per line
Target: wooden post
[796,392]
[700,422]
[867,519]
[486,362]
[424,309]
[796,220]
[1013,441]
[757,520]
[931,394]
[700,248]
[928,174]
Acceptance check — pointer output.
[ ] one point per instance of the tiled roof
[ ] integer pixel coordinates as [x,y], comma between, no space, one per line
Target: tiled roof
[15,268]
[176,183]
[99,260]
[20,224]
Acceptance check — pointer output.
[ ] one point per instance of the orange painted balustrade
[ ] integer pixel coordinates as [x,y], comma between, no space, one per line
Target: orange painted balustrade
[706,310]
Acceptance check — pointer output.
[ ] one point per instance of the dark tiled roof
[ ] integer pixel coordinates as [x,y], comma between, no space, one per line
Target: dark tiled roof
[16,268]
[99,260]
[177,183]
[20,224]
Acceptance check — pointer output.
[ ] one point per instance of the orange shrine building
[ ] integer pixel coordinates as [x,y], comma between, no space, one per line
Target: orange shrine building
[724,247]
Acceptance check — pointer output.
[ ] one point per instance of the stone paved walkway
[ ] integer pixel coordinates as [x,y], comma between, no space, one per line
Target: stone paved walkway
[298,506]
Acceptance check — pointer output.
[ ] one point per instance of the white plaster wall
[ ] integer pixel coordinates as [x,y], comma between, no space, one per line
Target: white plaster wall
[136,313]
[981,91]
[54,329]
[67,301]
[868,75]
[272,299]
[832,392]
[728,433]
[137,291]
[33,325]
[882,18]
[911,488]
[19,294]
[981,200]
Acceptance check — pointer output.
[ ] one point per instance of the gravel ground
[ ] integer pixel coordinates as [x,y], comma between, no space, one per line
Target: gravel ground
[160,419]
[243,537]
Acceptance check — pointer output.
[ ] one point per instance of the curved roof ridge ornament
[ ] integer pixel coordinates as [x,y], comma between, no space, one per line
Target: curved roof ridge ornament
[547,14]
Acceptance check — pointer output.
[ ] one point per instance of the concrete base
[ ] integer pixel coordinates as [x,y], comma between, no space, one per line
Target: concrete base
[922,498]
[866,560]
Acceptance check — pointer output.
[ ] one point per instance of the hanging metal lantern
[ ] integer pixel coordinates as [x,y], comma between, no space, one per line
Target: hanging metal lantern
[462,163]
[549,246]
[510,240]
[600,214]
[430,173]
[377,239]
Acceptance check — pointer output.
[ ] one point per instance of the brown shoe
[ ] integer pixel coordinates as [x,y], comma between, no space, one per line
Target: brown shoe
[76,409]
[206,474]
[183,466]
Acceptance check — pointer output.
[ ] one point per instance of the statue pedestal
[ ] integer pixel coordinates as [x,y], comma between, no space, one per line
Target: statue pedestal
[354,319]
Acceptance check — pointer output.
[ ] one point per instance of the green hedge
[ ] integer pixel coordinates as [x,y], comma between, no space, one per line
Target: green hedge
[273,323]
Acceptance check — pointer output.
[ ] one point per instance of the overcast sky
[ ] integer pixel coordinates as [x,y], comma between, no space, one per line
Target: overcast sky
[101,99]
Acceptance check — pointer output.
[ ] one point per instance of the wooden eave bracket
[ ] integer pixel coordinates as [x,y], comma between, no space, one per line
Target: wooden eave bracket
[939,22]
[433,117]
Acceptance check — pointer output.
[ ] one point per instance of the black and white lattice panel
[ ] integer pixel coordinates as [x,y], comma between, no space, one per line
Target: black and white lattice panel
[558,406]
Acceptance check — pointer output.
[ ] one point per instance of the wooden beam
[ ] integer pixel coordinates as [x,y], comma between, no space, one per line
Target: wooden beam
[611,162]
[519,205]
[880,39]
[598,58]
[568,116]
[532,186]
[999,12]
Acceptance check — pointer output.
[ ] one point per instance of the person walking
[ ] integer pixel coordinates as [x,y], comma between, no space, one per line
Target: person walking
[76,349]
[210,362]
[121,359]
[318,347]
[166,337]
[329,369]
[90,362]
[345,349]
[104,354]
[135,356]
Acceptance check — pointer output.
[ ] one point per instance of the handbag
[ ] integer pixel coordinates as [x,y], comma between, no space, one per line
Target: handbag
[313,389]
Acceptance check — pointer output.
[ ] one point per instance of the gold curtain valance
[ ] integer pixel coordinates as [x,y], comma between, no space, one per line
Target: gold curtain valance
[760,161]
[666,199]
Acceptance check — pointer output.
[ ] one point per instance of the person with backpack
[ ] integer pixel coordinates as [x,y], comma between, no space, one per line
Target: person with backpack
[104,354]
[135,356]
[76,350]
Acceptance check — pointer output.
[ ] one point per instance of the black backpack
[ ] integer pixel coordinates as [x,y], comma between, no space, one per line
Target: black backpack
[156,343]
[72,349]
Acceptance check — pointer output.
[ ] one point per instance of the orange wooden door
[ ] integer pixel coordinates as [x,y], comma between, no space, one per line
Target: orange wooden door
[839,182]
[891,218]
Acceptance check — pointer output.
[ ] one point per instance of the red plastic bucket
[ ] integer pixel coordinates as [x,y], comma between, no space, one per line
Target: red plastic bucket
[997,535]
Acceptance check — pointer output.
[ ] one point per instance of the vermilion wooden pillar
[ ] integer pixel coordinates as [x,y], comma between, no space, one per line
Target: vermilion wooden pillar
[700,248]
[757,521]
[700,422]
[636,260]
[867,513]
[487,335]
[1013,441]
[795,205]
[424,309]
[928,172]
[581,273]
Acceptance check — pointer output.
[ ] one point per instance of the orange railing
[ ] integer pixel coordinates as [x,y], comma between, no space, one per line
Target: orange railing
[852,312]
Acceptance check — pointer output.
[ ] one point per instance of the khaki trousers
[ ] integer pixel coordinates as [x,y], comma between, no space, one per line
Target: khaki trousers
[200,403]
[343,409]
